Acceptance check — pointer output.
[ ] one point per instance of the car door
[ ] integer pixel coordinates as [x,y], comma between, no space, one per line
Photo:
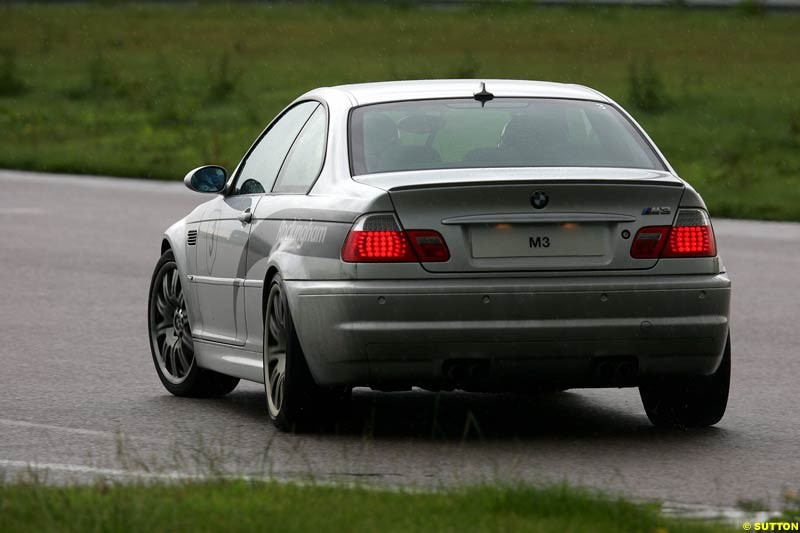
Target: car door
[284,221]
[222,238]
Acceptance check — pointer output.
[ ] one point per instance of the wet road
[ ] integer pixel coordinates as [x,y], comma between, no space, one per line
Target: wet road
[79,395]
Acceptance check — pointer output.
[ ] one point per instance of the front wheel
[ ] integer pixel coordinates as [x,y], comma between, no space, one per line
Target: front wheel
[696,401]
[171,343]
[294,400]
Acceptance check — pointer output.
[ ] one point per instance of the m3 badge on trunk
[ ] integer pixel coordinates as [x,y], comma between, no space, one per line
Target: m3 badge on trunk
[663,210]
[539,200]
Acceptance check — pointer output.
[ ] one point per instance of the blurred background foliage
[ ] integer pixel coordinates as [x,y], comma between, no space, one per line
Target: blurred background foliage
[156,89]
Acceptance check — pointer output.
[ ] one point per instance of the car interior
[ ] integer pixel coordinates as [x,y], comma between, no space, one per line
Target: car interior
[530,136]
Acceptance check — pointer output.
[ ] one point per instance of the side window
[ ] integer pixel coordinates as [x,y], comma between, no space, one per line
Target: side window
[262,165]
[304,161]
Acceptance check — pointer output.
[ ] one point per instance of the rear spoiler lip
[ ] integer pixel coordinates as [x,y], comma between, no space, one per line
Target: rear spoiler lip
[479,177]
[537,218]
[540,181]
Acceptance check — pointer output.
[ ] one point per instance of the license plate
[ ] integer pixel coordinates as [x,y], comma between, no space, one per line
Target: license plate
[539,240]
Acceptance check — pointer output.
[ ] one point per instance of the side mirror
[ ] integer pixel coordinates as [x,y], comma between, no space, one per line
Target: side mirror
[210,178]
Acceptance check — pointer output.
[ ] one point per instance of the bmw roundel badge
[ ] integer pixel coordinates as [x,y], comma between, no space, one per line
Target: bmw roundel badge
[539,200]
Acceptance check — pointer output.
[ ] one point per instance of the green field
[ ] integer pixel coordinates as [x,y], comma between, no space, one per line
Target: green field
[243,506]
[156,90]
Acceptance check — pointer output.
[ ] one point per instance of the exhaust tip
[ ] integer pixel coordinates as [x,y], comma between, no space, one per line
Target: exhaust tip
[467,370]
[616,371]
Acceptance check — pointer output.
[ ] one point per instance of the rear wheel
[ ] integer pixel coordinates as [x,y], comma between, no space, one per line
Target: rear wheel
[294,400]
[697,401]
[171,342]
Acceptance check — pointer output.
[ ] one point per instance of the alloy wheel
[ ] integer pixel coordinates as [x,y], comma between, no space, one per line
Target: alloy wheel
[171,334]
[275,342]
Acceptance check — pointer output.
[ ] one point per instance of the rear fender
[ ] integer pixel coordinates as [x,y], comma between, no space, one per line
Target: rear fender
[691,198]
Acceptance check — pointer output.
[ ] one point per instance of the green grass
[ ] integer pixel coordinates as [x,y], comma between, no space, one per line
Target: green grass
[243,506]
[154,90]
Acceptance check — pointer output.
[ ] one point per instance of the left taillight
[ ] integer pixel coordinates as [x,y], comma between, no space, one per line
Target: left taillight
[378,238]
[690,236]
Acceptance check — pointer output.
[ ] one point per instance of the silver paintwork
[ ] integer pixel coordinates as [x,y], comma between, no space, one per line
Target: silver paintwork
[407,329]
[534,318]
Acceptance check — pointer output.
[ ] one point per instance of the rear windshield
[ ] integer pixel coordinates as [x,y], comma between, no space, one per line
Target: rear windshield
[504,132]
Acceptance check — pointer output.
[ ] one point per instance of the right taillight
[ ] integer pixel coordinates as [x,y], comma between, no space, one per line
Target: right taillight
[378,238]
[690,236]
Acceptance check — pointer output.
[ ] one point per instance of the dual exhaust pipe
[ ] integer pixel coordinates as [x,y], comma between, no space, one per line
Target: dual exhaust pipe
[616,371]
[467,370]
[606,371]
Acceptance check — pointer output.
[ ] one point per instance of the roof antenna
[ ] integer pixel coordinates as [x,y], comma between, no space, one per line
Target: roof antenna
[483,95]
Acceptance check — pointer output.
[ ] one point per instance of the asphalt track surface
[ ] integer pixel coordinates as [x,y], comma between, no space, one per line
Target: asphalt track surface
[79,396]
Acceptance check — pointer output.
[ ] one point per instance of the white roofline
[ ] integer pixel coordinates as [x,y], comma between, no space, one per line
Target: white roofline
[375,92]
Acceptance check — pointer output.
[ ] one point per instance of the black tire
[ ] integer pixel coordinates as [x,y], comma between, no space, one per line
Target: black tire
[689,402]
[294,401]
[176,366]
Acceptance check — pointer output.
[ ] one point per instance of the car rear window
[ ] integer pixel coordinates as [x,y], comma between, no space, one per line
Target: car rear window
[504,132]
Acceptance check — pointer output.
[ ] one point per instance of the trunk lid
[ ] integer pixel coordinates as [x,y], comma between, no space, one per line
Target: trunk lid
[586,218]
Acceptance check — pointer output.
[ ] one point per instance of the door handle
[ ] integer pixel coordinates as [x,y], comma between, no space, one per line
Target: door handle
[246,216]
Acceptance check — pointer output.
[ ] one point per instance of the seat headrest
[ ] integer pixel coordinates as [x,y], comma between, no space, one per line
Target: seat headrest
[541,128]
[380,132]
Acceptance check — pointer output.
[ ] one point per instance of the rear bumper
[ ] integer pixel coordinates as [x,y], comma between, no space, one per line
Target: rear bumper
[551,330]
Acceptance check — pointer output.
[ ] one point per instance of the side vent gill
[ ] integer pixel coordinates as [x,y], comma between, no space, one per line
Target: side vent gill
[191,237]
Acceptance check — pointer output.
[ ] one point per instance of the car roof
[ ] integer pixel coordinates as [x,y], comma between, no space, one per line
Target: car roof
[390,91]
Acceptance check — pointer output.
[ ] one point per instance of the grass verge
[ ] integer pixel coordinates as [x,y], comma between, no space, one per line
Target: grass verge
[154,90]
[245,506]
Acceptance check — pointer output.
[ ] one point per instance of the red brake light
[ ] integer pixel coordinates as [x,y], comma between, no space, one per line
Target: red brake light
[691,236]
[691,241]
[378,238]
[376,247]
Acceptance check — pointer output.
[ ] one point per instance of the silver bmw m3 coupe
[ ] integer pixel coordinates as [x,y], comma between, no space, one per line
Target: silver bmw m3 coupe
[455,234]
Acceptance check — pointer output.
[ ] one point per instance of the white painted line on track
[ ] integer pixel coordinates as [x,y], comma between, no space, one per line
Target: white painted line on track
[97,182]
[709,512]
[21,211]
[76,431]
[83,469]
[173,475]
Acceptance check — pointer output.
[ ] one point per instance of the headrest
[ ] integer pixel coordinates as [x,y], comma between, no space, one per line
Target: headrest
[380,132]
[541,128]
